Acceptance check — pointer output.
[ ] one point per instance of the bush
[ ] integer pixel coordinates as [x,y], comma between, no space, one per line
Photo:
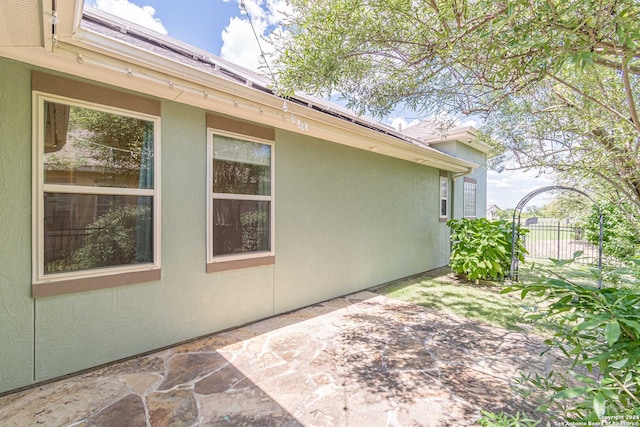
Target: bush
[111,239]
[599,330]
[482,248]
[619,237]
[490,419]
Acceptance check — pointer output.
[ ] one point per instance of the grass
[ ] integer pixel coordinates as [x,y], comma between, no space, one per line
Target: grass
[442,290]
[550,234]
[576,273]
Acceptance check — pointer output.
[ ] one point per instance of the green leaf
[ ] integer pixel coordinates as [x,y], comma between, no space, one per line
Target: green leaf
[620,363]
[599,404]
[591,323]
[612,332]
[635,325]
[571,393]
[583,378]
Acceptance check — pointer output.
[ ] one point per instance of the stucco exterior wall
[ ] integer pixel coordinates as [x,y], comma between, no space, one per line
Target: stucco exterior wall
[346,220]
[16,305]
[466,152]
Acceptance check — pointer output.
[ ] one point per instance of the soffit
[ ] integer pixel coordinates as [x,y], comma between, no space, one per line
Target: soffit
[20,23]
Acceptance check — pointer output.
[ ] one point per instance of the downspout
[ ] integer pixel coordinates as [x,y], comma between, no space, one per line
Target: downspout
[453,197]
[461,174]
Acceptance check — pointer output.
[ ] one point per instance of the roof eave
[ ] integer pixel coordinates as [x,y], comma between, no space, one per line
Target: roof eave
[467,135]
[91,55]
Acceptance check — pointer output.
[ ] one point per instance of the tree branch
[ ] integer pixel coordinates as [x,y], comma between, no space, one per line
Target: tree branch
[590,98]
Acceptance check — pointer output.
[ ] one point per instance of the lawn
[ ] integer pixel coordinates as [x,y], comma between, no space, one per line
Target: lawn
[442,290]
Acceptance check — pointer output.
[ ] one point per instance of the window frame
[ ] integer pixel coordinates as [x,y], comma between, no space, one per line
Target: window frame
[443,179]
[65,282]
[217,263]
[470,205]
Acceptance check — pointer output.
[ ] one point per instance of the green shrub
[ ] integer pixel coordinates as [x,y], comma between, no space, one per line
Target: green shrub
[599,331]
[111,239]
[482,248]
[619,237]
[490,419]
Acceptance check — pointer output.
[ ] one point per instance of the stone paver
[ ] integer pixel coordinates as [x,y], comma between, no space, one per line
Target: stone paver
[362,360]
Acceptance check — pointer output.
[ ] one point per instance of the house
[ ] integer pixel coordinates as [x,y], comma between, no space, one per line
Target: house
[459,142]
[493,211]
[151,193]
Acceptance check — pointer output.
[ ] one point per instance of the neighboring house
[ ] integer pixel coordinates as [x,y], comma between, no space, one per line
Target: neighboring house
[493,211]
[151,193]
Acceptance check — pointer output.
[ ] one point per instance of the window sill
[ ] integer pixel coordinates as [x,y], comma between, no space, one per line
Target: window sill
[444,219]
[67,286]
[215,267]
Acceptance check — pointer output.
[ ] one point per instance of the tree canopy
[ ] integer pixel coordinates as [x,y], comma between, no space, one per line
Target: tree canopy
[555,81]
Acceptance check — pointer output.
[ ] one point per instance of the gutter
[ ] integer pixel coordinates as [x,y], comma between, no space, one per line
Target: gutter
[461,174]
[133,59]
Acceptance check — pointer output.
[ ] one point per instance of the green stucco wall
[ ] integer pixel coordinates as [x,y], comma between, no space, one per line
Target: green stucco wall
[466,152]
[16,305]
[346,220]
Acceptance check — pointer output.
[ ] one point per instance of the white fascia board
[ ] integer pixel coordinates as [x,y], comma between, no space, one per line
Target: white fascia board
[466,135]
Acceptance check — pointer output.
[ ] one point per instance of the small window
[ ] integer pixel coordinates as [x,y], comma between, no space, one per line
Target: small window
[470,198]
[96,195]
[444,197]
[241,211]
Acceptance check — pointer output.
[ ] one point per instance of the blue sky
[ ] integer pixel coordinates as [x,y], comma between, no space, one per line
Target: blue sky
[219,27]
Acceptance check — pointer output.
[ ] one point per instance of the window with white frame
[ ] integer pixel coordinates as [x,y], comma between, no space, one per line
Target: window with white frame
[96,195]
[470,198]
[444,197]
[241,208]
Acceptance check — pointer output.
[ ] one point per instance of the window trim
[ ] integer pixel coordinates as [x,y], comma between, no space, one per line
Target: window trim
[473,182]
[75,281]
[443,178]
[247,259]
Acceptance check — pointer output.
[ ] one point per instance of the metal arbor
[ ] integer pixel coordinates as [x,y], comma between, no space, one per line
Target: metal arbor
[518,211]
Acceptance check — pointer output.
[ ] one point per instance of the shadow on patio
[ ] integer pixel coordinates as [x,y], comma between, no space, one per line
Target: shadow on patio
[361,360]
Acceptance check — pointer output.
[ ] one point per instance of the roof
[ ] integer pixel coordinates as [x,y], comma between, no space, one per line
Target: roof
[428,132]
[119,29]
[98,46]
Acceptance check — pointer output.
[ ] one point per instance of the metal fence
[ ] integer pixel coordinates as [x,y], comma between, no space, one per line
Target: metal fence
[559,241]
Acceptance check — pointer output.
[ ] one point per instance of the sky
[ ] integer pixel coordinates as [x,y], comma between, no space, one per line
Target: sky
[223,28]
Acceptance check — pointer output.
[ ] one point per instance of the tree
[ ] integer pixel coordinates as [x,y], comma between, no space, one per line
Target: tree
[567,206]
[619,239]
[114,140]
[555,81]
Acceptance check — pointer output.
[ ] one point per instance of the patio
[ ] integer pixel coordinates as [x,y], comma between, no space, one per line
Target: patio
[361,360]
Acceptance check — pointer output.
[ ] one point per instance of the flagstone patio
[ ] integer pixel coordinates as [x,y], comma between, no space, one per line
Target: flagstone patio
[361,360]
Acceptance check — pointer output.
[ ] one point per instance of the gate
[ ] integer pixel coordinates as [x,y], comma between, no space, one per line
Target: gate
[559,240]
[518,212]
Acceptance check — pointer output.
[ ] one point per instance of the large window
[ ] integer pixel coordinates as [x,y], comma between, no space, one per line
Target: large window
[470,198]
[241,198]
[95,191]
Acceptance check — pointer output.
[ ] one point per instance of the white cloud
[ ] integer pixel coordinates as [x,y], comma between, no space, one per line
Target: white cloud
[468,122]
[497,183]
[239,44]
[143,16]
[507,188]
[400,123]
